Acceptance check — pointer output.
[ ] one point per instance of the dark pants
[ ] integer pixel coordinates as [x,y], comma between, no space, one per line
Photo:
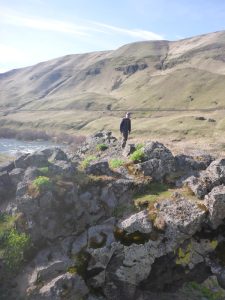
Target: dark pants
[125,137]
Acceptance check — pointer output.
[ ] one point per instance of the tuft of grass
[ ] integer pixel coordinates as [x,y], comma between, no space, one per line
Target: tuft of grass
[39,185]
[42,183]
[155,191]
[101,147]
[115,163]
[137,155]
[86,162]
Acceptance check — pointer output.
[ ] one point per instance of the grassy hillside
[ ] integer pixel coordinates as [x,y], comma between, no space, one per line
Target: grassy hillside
[88,92]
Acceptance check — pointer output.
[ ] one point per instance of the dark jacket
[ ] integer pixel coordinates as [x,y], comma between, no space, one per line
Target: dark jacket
[125,125]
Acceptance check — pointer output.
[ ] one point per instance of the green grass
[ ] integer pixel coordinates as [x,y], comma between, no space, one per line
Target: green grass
[155,192]
[7,222]
[115,163]
[42,183]
[101,147]
[137,155]
[86,162]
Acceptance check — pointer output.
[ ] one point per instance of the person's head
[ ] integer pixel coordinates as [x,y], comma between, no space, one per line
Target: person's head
[128,115]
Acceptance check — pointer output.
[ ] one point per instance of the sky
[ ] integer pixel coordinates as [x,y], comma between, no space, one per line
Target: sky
[32,31]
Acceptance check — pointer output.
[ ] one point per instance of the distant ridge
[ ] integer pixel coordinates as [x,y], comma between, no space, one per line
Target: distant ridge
[156,75]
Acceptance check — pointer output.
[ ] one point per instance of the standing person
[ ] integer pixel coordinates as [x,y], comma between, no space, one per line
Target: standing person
[125,128]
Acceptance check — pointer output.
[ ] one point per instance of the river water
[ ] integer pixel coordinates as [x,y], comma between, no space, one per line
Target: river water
[13,147]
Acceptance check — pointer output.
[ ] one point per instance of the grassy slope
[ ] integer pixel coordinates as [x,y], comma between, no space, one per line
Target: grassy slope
[76,96]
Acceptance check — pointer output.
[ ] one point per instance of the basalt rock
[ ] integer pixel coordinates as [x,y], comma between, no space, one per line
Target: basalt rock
[158,161]
[213,176]
[91,243]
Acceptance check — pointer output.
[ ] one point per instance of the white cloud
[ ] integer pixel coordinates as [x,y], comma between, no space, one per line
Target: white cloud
[13,18]
[139,33]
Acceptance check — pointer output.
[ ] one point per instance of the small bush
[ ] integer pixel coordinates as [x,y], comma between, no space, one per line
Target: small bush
[86,162]
[15,245]
[42,183]
[101,147]
[12,243]
[137,155]
[115,163]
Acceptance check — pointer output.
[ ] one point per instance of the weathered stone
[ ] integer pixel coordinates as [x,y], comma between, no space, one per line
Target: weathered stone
[189,164]
[36,159]
[58,154]
[197,186]
[5,186]
[8,167]
[99,168]
[62,168]
[182,217]
[101,235]
[157,150]
[159,161]
[16,175]
[51,270]
[79,243]
[108,198]
[66,284]
[138,222]
[221,278]
[215,202]
[213,176]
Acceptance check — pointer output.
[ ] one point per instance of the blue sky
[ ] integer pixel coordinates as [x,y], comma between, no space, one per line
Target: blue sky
[32,31]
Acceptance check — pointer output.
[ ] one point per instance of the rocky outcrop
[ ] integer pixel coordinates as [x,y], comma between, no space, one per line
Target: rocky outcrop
[88,239]
[158,161]
[213,176]
[131,69]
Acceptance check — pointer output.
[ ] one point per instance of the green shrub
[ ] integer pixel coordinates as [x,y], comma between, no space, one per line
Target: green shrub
[115,163]
[12,243]
[7,222]
[137,155]
[42,183]
[15,245]
[86,162]
[101,147]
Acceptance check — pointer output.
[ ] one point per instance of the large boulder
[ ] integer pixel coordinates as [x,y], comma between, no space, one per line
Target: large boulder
[139,222]
[159,161]
[62,168]
[215,202]
[37,159]
[99,168]
[182,218]
[213,176]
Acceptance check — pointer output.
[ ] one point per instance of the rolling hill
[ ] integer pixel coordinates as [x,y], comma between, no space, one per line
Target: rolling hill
[79,92]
